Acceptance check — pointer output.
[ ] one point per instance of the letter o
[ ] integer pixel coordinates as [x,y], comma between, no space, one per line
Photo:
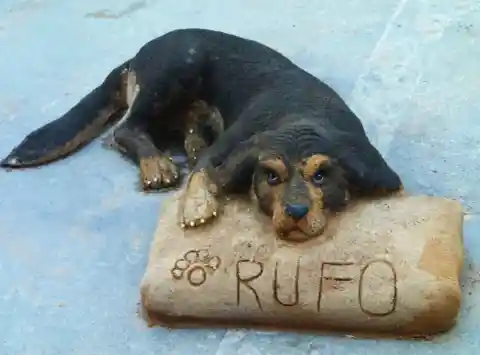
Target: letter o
[361,287]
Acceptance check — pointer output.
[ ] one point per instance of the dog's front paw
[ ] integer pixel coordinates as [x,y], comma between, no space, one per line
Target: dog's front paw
[198,205]
[158,172]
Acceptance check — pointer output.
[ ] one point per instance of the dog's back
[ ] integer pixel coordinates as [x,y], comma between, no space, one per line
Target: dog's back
[252,85]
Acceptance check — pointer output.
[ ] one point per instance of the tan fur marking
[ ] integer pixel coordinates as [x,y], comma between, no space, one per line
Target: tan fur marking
[158,171]
[199,113]
[316,196]
[310,165]
[316,219]
[276,165]
[82,137]
[279,219]
[93,130]
[194,145]
[130,87]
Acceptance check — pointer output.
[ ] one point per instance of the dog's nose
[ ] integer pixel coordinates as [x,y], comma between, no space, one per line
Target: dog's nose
[296,211]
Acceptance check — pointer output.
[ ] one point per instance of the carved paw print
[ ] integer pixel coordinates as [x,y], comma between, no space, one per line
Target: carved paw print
[158,172]
[195,265]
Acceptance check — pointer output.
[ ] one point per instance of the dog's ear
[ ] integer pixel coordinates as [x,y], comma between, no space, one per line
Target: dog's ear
[367,170]
[238,166]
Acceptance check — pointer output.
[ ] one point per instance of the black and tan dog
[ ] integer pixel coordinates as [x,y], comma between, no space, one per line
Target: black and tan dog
[245,111]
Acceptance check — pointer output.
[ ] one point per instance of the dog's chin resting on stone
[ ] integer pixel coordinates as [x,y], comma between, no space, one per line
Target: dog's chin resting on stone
[309,227]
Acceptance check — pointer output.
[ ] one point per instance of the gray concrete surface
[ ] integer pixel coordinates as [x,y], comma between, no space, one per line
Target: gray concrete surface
[74,235]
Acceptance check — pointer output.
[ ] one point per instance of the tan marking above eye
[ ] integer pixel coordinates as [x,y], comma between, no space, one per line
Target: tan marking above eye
[276,165]
[313,163]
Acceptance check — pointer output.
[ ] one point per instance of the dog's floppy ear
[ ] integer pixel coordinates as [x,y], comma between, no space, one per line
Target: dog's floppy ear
[238,166]
[367,170]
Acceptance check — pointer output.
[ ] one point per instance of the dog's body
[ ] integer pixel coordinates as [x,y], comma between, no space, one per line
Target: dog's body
[266,121]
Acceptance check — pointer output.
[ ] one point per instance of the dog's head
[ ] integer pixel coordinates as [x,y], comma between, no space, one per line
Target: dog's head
[304,173]
[299,192]
[298,181]
[300,174]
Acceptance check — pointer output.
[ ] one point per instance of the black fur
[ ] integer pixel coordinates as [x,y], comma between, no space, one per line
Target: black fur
[264,98]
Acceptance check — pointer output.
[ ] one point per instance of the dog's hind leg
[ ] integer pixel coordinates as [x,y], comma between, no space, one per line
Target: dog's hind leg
[203,124]
[156,169]
[133,140]
[171,72]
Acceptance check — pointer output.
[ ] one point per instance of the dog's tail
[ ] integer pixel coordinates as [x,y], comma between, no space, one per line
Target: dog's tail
[89,118]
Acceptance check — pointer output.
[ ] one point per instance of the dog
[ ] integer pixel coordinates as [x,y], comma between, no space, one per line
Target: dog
[249,119]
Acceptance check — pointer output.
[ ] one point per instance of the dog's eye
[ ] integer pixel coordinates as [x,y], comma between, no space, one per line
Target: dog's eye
[273,178]
[317,178]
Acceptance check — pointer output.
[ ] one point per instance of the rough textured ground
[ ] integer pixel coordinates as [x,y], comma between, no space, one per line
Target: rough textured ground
[74,235]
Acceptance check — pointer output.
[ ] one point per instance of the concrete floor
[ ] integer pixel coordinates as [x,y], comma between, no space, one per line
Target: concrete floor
[74,236]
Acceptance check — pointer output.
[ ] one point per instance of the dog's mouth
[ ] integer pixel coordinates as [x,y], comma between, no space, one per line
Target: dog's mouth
[298,235]
[307,228]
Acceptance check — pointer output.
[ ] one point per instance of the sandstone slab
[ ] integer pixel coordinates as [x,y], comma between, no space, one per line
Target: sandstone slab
[387,266]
